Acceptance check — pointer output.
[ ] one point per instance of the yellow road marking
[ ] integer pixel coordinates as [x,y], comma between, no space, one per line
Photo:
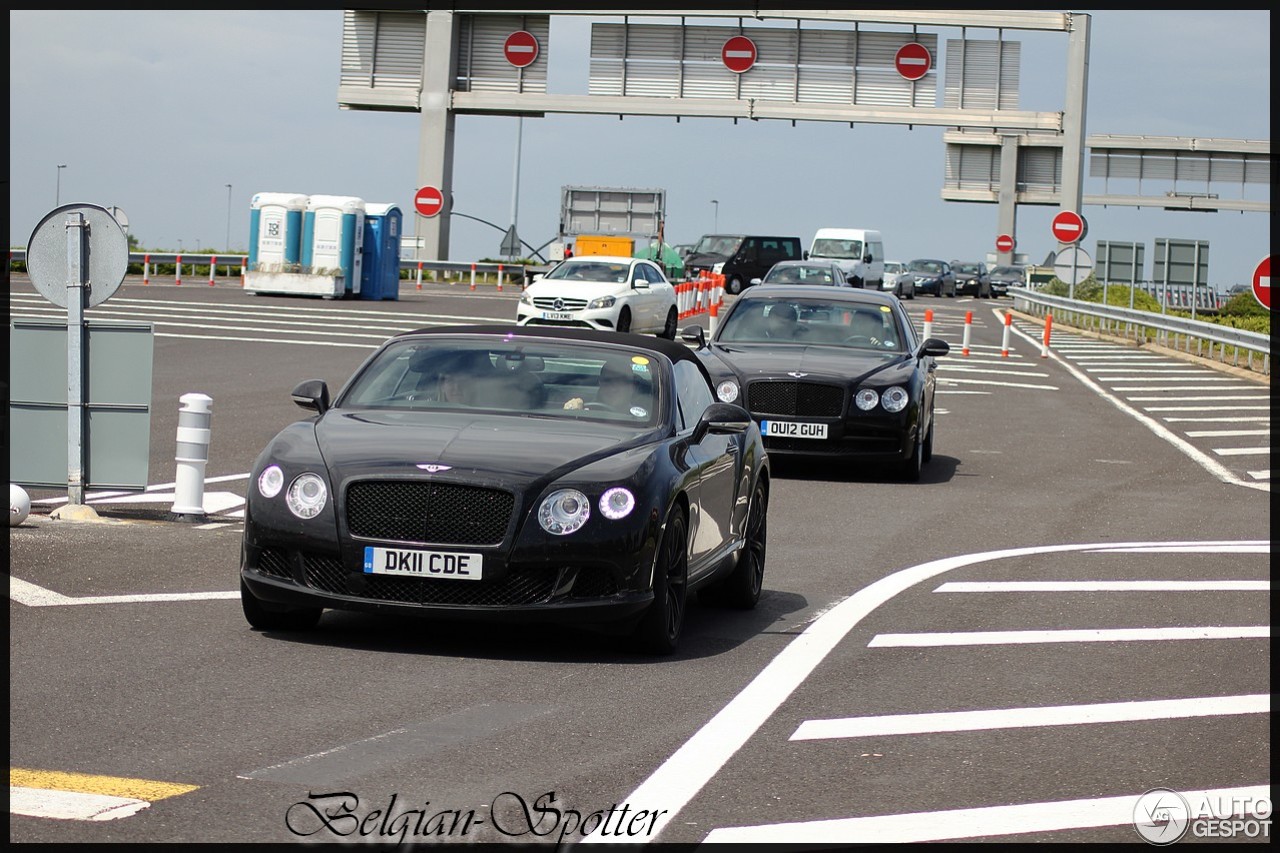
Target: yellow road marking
[114,786]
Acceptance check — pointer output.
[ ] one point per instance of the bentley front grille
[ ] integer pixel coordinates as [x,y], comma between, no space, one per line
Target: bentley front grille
[423,511]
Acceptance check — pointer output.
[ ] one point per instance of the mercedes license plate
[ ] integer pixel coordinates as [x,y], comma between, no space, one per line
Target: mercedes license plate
[407,562]
[792,429]
[556,315]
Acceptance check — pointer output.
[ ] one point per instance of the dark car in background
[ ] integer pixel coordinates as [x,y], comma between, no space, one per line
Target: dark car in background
[806,272]
[740,257]
[510,473]
[828,373]
[972,278]
[1004,277]
[930,276]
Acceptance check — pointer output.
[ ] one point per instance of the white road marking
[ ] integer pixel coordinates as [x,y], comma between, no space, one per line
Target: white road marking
[1210,433]
[1261,475]
[1242,451]
[1103,586]
[1067,635]
[71,805]
[681,777]
[1021,718]
[985,822]
[1227,420]
[32,595]
[947,379]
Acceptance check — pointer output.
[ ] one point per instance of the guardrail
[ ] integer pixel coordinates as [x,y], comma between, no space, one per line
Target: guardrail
[1227,344]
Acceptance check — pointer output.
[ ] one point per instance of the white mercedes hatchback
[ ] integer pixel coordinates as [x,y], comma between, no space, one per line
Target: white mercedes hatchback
[608,292]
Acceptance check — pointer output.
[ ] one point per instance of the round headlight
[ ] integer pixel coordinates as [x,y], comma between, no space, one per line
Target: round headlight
[894,399]
[866,399]
[617,503]
[727,391]
[601,302]
[525,298]
[564,512]
[307,495]
[270,481]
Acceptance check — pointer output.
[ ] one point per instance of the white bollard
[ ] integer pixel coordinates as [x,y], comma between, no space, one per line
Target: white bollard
[192,455]
[19,505]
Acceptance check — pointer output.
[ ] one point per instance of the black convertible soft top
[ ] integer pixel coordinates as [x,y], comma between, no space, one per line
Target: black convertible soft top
[674,350]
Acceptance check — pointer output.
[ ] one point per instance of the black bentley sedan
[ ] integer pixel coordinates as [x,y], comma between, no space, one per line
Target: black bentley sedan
[828,372]
[513,473]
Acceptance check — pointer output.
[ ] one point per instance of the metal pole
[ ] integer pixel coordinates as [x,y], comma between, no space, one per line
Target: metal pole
[57,195]
[515,188]
[77,273]
[715,223]
[228,244]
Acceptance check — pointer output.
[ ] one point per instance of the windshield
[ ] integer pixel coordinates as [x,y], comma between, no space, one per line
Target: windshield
[812,322]
[925,266]
[801,274]
[846,249]
[1012,272]
[518,378]
[586,269]
[717,244]
[892,266]
[966,269]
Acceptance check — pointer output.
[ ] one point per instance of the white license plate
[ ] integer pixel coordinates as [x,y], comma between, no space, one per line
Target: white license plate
[406,562]
[793,429]
[556,315]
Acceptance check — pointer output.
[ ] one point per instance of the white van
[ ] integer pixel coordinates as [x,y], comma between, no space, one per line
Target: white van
[858,250]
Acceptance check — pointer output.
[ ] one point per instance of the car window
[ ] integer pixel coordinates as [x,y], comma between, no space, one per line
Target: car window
[814,322]
[926,266]
[589,270]
[846,249]
[693,394]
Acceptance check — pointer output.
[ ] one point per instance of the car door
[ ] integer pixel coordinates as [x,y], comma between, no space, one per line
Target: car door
[715,461]
[659,297]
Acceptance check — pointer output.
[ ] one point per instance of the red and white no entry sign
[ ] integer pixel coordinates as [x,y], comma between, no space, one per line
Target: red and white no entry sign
[1004,243]
[738,54]
[520,48]
[1262,283]
[428,201]
[913,60]
[1069,227]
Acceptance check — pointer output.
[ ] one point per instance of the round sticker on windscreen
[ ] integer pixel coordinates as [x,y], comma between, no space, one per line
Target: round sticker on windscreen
[639,359]
[639,412]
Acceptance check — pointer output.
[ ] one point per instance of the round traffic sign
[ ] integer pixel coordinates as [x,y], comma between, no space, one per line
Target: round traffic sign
[1072,265]
[1262,283]
[1004,243]
[1069,227]
[104,246]
[913,60]
[428,201]
[520,48]
[738,54]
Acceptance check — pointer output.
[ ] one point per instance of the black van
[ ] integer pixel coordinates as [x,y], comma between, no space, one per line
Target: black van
[740,257]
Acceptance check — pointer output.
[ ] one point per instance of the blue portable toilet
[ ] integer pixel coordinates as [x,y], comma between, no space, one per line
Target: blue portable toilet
[380,278]
[275,231]
[333,239]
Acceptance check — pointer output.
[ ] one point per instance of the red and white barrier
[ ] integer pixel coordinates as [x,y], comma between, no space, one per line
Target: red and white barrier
[1048,326]
[213,265]
[244,270]
[473,276]
[715,316]
[146,269]
[1004,346]
[928,322]
[419,286]
[177,266]
[968,323]
[499,278]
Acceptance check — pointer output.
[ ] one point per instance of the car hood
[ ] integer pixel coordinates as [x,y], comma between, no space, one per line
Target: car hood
[483,448]
[760,361]
[588,290]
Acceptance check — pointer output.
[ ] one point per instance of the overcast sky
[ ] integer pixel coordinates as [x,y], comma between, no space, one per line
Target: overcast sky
[156,112]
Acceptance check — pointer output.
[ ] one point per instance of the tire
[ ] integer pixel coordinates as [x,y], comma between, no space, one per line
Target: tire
[624,320]
[658,631]
[264,616]
[912,464]
[927,451]
[669,330]
[733,285]
[742,588]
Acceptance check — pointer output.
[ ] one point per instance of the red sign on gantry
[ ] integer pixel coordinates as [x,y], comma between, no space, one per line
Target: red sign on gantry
[520,48]
[1262,283]
[913,60]
[738,54]
[428,201]
[1004,243]
[1069,227]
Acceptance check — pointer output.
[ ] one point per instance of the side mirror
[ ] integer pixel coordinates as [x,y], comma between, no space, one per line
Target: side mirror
[866,259]
[805,254]
[935,347]
[694,335]
[640,284]
[312,394]
[721,419]
[755,281]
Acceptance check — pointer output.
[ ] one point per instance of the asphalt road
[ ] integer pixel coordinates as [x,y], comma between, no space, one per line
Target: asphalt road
[1072,562]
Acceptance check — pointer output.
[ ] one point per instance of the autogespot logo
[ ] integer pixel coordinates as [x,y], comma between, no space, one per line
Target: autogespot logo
[1161,816]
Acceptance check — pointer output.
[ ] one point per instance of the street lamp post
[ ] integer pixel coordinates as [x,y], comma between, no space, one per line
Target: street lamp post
[57,193]
[228,243]
[715,224]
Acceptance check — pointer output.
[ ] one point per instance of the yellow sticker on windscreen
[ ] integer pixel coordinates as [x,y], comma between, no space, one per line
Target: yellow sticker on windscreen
[884,308]
[639,359]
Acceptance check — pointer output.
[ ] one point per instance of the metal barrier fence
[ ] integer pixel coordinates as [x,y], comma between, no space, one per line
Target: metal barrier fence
[1227,344]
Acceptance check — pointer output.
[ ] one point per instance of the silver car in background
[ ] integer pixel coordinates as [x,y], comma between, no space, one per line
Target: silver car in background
[903,287]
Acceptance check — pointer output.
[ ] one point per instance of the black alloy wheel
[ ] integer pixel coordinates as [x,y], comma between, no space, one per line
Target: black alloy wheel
[669,330]
[265,616]
[659,629]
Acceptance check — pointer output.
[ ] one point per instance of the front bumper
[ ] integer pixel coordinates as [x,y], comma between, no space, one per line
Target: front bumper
[604,319]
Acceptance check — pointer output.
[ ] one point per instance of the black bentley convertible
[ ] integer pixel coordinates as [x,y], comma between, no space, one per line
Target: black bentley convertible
[828,372]
[502,472]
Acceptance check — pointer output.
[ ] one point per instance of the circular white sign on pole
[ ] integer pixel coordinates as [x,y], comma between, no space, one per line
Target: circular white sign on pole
[105,244]
[1072,265]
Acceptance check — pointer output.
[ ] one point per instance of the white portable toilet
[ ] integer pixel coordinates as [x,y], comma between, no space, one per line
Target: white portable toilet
[333,238]
[275,231]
